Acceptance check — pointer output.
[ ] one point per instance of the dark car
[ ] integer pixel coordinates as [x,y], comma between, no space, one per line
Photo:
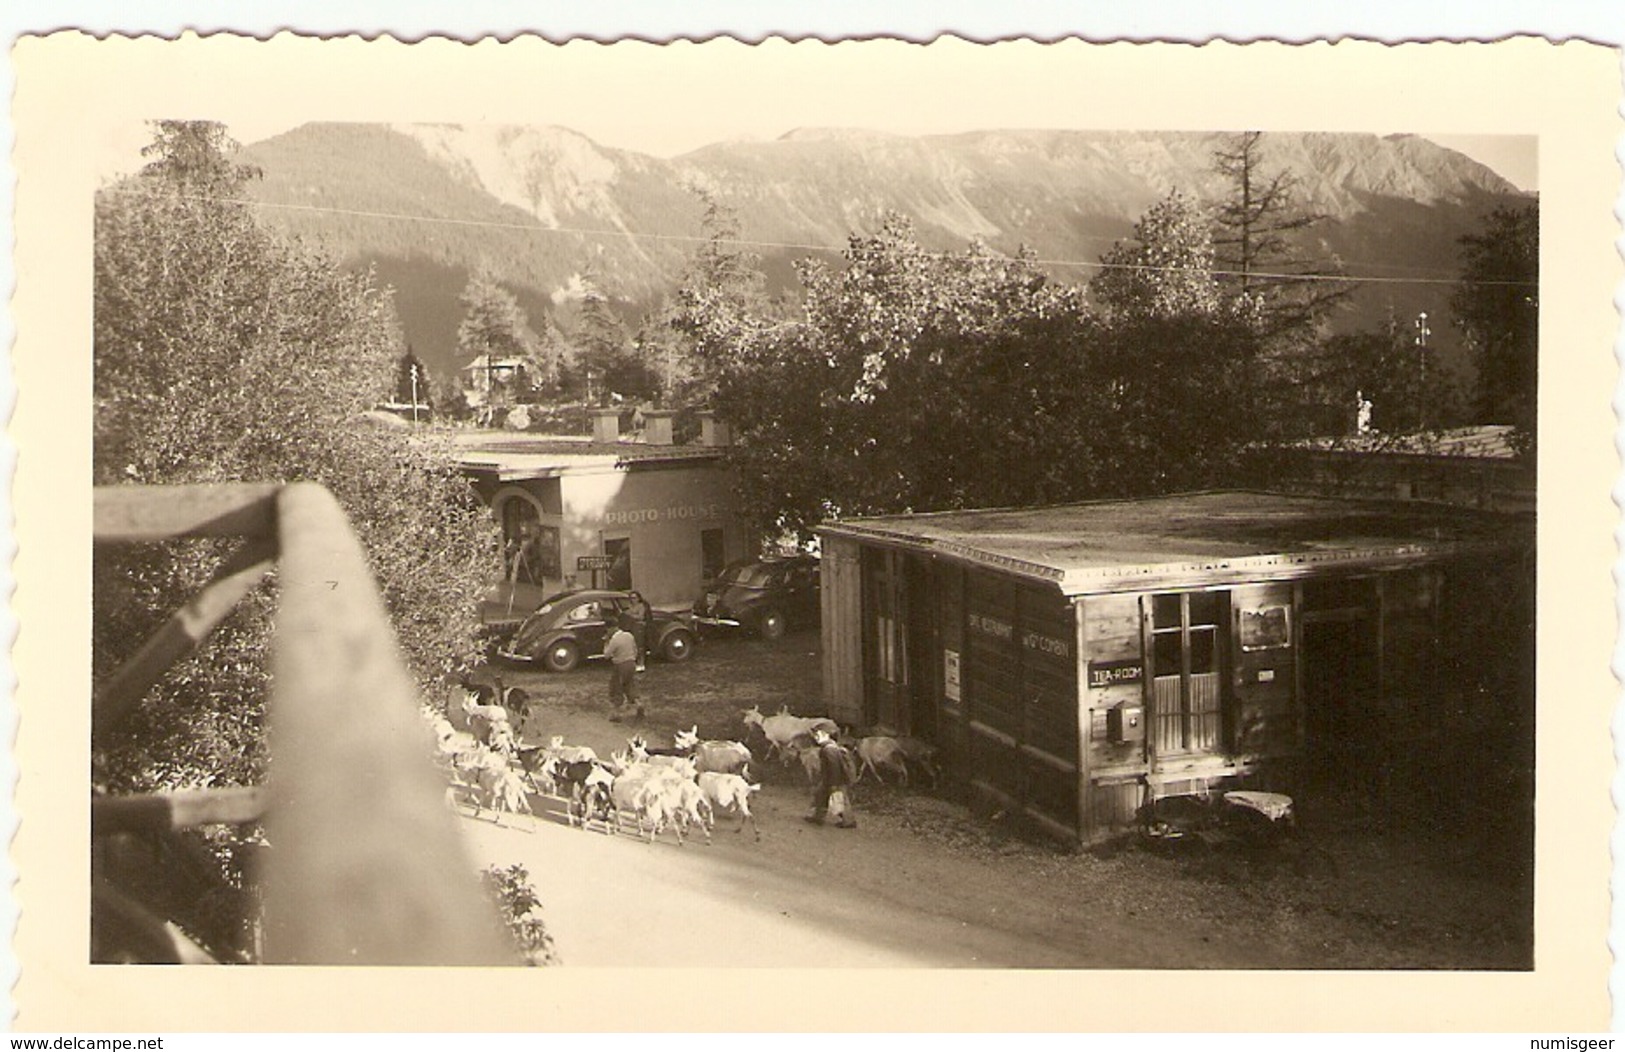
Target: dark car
[504,607]
[765,596]
[573,626]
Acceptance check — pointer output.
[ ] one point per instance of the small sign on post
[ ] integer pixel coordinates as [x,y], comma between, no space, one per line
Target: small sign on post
[595,564]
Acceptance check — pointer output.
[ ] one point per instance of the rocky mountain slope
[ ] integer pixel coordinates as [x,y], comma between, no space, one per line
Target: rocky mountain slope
[544,205]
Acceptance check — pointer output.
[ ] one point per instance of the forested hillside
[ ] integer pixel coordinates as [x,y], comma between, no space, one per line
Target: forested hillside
[542,207]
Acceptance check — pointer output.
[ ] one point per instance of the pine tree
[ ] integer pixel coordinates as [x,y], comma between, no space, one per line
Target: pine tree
[1259,241]
[1497,307]
[613,364]
[720,301]
[494,329]
[1268,267]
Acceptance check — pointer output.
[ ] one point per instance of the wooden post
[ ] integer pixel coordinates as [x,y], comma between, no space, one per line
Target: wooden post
[1086,815]
[395,885]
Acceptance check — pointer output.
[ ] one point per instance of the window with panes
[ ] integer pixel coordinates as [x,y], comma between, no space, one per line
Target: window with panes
[1185,670]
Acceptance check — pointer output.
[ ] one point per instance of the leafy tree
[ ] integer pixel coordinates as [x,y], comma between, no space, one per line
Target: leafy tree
[1178,359]
[1384,367]
[920,381]
[1173,408]
[194,157]
[1497,307]
[224,354]
[720,299]
[1167,270]
[845,412]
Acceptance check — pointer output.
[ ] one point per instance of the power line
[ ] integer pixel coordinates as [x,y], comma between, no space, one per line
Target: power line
[691,239]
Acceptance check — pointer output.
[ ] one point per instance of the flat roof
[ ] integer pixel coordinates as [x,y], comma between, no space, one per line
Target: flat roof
[1482,442]
[1195,538]
[511,456]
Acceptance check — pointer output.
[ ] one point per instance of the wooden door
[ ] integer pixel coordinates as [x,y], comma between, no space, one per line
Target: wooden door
[885,644]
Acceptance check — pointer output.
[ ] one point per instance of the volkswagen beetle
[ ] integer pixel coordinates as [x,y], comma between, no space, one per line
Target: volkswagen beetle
[572,627]
[765,596]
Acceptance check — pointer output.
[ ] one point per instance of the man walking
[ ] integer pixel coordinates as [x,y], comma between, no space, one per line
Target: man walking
[835,775]
[622,652]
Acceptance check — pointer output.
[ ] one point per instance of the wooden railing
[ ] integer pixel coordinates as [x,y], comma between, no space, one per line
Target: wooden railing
[366,864]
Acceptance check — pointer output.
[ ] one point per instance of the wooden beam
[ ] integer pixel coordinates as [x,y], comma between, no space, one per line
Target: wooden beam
[240,574]
[1050,759]
[156,513]
[1086,720]
[396,885]
[122,931]
[989,732]
[182,810]
[1010,803]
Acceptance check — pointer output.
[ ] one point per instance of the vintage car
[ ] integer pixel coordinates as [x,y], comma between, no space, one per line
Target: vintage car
[573,626]
[766,596]
[504,607]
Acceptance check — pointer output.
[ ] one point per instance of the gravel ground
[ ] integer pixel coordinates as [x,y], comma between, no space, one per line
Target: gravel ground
[1344,894]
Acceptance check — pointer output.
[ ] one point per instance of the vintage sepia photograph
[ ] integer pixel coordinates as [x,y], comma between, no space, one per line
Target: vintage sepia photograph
[687,529]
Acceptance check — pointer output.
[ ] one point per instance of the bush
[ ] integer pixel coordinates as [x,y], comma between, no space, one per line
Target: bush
[510,888]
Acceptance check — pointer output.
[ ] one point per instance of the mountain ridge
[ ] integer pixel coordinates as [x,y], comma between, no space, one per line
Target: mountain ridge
[541,205]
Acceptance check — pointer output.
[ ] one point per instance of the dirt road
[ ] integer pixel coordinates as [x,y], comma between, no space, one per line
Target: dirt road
[921,882]
[820,896]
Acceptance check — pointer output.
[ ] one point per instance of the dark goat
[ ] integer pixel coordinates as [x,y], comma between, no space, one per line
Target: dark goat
[585,784]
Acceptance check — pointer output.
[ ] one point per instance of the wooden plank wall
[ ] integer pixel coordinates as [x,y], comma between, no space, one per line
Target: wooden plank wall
[1265,712]
[1409,609]
[952,732]
[841,587]
[1111,632]
[1020,682]
[992,679]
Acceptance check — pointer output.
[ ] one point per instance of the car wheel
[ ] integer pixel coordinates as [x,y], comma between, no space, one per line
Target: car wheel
[771,625]
[563,656]
[677,645]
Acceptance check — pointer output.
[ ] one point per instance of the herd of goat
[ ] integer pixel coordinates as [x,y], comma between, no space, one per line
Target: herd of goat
[682,788]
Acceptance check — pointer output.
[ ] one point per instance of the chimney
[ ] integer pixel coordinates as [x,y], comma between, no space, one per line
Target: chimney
[713,432]
[606,424]
[657,426]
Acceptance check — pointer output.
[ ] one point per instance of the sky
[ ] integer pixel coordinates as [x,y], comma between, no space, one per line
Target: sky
[698,100]
[1512,157]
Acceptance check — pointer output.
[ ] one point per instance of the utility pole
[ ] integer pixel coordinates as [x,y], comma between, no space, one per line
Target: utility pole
[490,383]
[414,392]
[1422,334]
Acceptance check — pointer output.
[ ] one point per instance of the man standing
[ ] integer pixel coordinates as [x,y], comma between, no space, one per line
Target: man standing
[622,652]
[638,611]
[835,775]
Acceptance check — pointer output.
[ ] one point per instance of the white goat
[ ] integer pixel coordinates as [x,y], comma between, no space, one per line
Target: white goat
[730,794]
[784,729]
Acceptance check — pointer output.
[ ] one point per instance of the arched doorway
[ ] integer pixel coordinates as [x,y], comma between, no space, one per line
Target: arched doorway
[530,543]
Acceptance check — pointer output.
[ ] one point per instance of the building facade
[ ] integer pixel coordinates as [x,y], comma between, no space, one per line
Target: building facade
[1075,662]
[608,513]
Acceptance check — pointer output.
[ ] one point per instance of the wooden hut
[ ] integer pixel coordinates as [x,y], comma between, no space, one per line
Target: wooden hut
[1074,662]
